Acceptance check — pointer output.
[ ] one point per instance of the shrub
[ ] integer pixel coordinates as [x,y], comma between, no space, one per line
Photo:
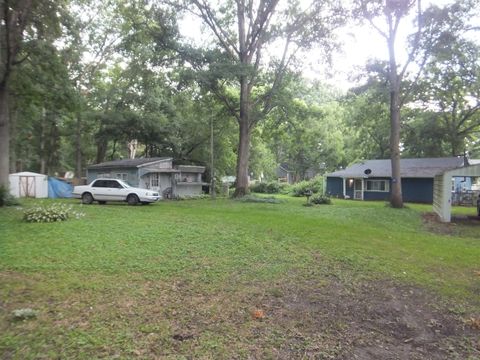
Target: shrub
[272,187]
[7,199]
[321,200]
[50,213]
[315,185]
[3,195]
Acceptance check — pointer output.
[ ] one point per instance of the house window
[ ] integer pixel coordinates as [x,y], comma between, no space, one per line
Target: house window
[121,176]
[377,185]
[154,180]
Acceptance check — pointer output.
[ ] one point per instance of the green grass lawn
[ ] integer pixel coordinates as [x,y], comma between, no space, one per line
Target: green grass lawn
[124,279]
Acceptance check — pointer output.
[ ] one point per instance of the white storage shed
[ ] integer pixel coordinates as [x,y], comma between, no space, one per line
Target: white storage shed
[29,184]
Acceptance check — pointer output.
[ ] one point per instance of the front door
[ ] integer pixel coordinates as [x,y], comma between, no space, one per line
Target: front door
[155,182]
[358,189]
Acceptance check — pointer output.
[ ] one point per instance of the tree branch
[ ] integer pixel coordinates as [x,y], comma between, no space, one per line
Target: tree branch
[207,15]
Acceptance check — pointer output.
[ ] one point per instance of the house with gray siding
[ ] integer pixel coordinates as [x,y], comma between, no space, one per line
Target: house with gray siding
[372,179]
[158,174]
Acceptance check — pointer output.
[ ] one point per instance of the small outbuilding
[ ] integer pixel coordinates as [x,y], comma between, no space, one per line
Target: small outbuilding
[29,184]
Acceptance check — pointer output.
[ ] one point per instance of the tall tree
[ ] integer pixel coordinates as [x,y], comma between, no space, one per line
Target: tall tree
[243,33]
[450,87]
[393,12]
[15,16]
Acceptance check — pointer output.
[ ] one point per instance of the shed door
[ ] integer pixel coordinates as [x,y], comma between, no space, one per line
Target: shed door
[27,186]
[358,189]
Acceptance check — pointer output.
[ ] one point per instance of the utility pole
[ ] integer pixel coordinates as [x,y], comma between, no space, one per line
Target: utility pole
[212,171]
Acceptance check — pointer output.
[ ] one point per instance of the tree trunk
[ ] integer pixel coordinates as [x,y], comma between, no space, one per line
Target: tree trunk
[4,136]
[101,151]
[243,155]
[42,141]
[13,137]
[396,199]
[78,147]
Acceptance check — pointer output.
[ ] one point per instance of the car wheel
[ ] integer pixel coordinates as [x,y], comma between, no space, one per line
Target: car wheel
[87,198]
[132,199]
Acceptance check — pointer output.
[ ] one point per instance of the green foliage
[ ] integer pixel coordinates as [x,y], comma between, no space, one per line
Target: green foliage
[3,194]
[315,185]
[305,130]
[271,187]
[321,200]
[50,213]
[7,199]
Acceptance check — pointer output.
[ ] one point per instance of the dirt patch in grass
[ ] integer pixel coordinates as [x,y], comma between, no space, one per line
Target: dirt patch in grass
[380,320]
[302,316]
[457,226]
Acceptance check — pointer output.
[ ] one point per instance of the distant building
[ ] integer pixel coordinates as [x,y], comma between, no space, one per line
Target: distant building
[157,174]
[372,179]
[285,174]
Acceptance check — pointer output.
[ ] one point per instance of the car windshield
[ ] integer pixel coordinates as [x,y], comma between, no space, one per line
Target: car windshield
[124,183]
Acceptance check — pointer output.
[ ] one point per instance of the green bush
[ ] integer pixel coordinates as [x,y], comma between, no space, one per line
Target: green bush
[7,199]
[321,200]
[3,195]
[50,213]
[272,187]
[315,185]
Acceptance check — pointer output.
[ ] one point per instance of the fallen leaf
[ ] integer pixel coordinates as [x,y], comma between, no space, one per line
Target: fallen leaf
[258,314]
[473,322]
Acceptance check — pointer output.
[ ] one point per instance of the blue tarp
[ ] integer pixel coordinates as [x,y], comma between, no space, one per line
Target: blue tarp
[59,189]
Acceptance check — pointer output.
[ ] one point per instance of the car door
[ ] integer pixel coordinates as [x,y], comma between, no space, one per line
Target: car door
[112,190]
[98,190]
[118,192]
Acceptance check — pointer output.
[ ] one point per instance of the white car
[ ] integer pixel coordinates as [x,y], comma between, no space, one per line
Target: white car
[103,190]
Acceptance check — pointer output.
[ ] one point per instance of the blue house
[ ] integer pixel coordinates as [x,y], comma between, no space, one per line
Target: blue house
[372,179]
[158,174]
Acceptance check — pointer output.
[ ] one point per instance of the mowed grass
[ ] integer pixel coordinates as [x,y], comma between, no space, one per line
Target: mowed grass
[124,279]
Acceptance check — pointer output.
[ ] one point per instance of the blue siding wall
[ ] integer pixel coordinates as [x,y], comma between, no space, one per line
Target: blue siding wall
[377,195]
[417,190]
[334,186]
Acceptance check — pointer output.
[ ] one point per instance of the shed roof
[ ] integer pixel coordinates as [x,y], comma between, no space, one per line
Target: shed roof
[128,163]
[409,168]
[191,168]
[28,173]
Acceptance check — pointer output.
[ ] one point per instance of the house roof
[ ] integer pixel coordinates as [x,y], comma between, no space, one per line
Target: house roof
[191,168]
[128,163]
[409,168]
